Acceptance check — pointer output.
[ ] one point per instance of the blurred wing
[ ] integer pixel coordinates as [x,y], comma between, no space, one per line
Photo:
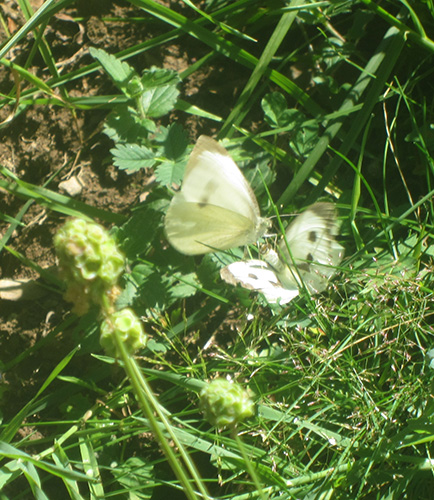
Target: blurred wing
[256,275]
[314,251]
[216,208]
[194,229]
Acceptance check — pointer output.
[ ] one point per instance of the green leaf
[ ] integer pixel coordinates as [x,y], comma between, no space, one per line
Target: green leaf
[136,476]
[120,72]
[8,473]
[176,142]
[160,92]
[276,110]
[147,287]
[156,347]
[169,173]
[131,157]
[186,287]
[306,138]
[137,235]
[124,125]
[260,175]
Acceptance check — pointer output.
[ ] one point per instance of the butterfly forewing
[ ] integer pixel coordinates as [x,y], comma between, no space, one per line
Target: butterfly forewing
[213,178]
[314,252]
[312,232]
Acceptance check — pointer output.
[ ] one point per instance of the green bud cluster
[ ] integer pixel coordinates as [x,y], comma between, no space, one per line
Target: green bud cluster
[89,262]
[129,329]
[226,403]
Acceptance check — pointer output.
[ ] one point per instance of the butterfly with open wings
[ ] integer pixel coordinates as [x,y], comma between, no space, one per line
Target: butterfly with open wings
[307,256]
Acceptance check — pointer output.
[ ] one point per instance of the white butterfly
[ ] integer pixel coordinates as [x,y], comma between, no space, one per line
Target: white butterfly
[311,260]
[216,208]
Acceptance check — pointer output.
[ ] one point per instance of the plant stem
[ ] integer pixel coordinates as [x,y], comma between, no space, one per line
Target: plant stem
[149,405]
[418,38]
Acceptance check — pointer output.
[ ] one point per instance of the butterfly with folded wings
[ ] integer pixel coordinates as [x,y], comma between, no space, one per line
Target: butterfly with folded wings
[216,208]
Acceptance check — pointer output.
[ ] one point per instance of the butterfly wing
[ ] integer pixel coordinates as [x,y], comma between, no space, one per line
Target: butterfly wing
[194,229]
[257,275]
[314,254]
[216,208]
[314,251]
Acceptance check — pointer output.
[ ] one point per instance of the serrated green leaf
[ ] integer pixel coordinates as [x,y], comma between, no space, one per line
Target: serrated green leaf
[186,287]
[147,287]
[273,105]
[305,139]
[119,71]
[276,110]
[138,233]
[124,125]
[128,295]
[159,77]
[131,157]
[160,92]
[170,173]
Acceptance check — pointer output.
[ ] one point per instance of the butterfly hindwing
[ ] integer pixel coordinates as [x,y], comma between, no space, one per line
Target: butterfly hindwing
[197,229]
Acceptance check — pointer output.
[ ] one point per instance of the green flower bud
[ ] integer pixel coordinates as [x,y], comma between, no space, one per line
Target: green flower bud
[89,262]
[226,403]
[128,327]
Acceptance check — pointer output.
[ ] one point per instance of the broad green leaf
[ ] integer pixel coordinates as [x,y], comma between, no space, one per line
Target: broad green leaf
[169,173]
[160,92]
[124,125]
[131,157]
[276,110]
[119,71]
[136,476]
[176,142]
[186,287]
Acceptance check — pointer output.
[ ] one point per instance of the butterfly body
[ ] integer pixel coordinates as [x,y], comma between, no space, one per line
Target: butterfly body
[216,208]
